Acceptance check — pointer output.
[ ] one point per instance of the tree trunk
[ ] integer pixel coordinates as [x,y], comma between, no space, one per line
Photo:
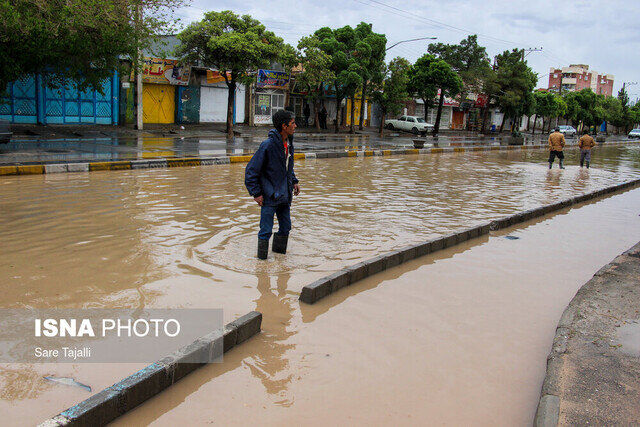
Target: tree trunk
[528,123]
[316,116]
[504,116]
[384,115]
[362,101]
[337,122]
[436,126]
[426,111]
[352,128]
[535,120]
[231,86]
[485,110]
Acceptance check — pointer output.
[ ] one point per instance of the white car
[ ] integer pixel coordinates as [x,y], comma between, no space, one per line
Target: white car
[413,124]
[634,133]
[568,130]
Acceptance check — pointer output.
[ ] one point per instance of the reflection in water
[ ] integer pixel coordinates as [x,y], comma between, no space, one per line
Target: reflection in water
[186,237]
[270,366]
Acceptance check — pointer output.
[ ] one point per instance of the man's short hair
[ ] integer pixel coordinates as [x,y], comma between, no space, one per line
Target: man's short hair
[557,129]
[585,131]
[281,117]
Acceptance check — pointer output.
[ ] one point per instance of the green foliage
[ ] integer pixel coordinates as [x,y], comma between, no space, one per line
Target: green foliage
[545,104]
[343,48]
[421,81]
[370,53]
[468,59]
[232,43]
[512,84]
[77,39]
[391,92]
[315,66]
[429,74]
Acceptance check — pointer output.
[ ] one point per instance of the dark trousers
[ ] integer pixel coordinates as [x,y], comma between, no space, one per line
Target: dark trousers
[283,212]
[554,154]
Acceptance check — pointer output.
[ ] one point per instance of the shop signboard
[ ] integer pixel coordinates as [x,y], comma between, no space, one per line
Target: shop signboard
[214,76]
[164,71]
[272,79]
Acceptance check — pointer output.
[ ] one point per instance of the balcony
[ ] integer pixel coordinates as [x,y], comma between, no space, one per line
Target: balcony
[569,80]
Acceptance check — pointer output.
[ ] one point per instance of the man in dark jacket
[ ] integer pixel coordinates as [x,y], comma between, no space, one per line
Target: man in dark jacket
[271,181]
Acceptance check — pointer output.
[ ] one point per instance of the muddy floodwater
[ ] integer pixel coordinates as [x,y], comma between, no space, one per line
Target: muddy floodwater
[457,337]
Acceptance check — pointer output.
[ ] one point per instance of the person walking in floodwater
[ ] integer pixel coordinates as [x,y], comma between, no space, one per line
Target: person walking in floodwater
[586,143]
[556,145]
[271,181]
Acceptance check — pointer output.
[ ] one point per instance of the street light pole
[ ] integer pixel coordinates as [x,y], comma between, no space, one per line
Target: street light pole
[410,40]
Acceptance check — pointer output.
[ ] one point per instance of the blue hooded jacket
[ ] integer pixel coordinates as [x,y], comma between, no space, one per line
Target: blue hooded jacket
[268,174]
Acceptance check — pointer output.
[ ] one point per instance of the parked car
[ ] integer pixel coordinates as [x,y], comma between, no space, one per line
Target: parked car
[5,133]
[568,130]
[634,133]
[413,124]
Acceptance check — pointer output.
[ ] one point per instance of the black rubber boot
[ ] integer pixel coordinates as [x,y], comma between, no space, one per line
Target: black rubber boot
[550,165]
[280,244]
[263,248]
[561,167]
[587,165]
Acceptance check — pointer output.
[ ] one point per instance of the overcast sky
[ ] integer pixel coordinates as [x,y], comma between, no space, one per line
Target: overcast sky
[605,34]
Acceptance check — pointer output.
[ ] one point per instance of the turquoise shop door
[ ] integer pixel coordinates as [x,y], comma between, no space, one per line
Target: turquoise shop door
[67,105]
[20,104]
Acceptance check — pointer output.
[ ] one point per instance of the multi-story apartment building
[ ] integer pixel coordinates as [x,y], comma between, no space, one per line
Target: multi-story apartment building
[578,77]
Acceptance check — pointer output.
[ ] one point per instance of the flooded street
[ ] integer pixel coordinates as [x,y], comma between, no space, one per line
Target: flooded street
[186,237]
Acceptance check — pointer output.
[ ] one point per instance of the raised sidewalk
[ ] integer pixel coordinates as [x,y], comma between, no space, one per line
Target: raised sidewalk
[593,370]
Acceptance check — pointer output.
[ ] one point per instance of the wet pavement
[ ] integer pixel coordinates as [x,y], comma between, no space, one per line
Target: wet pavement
[186,237]
[104,148]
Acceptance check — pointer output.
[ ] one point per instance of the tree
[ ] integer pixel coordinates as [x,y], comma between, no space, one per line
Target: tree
[77,39]
[315,71]
[428,75]
[449,83]
[420,82]
[370,59]
[513,83]
[625,118]
[340,46]
[391,92]
[236,46]
[468,59]
[611,110]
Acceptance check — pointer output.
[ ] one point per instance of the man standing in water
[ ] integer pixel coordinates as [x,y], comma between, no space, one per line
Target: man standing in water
[270,180]
[556,145]
[586,143]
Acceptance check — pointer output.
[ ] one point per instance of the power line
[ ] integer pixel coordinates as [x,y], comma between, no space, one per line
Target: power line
[436,23]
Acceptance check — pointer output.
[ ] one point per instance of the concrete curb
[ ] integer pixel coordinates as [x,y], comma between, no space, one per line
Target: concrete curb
[39,169]
[114,401]
[548,411]
[322,287]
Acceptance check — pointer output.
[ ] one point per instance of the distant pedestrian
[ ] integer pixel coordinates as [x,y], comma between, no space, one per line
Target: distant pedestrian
[322,116]
[307,113]
[271,181]
[586,143]
[556,145]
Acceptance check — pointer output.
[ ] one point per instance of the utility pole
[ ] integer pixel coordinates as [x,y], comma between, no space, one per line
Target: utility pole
[139,114]
[529,50]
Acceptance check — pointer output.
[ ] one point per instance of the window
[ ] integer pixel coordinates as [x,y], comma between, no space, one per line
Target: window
[555,76]
[411,119]
[402,119]
[268,103]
